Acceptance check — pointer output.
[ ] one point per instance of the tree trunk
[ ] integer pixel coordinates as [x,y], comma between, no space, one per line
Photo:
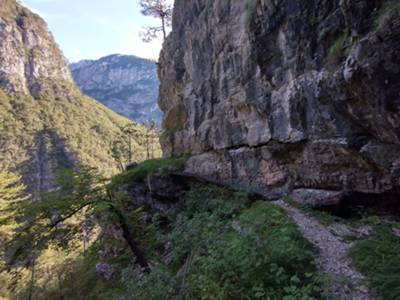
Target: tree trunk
[147,142]
[33,270]
[129,237]
[130,150]
[163,28]
[127,234]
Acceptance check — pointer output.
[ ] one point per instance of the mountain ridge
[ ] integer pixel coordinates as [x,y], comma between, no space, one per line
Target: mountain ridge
[127,84]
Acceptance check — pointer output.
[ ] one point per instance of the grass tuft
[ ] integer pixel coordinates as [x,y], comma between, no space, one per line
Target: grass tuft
[147,167]
[336,52]
[378,258]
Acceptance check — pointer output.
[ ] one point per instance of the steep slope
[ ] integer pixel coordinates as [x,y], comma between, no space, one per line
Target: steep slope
[45,121]
[284,95]
[126,84]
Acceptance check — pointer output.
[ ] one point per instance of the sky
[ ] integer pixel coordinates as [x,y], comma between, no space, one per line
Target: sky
[90,29]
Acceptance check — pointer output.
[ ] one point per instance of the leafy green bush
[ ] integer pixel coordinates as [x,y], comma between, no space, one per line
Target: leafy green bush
[262,256]
[378,258]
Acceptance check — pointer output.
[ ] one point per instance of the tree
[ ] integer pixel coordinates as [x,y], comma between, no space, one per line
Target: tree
[12,193]
[76,193]
[11,188]
[159,9]
[150,138]
[122,149]
[131,133]
[118,153]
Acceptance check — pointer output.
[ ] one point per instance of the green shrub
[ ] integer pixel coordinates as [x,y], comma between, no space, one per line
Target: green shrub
[378,258]
[262,256]
[224,247]
[160,284]
[140,172]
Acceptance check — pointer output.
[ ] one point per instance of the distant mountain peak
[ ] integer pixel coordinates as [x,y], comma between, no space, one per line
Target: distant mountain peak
[125,83]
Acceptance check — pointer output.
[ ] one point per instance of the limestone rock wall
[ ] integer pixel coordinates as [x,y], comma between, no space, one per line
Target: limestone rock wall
[282,95]
[29,56]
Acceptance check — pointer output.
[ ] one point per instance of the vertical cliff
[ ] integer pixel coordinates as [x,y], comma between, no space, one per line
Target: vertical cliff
[30,58]
[283,95]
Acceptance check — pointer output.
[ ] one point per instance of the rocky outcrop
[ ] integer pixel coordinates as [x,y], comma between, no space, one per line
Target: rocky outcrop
[285,95]
[29,56]
[124,83]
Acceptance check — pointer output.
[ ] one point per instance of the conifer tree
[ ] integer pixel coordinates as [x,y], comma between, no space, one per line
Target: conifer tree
[77,193]
[159,9]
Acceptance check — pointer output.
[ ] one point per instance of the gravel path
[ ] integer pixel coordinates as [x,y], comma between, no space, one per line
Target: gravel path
[346,283]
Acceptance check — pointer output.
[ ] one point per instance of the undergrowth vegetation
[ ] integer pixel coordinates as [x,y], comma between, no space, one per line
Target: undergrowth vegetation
[222,246]
[140,172]
[378,257]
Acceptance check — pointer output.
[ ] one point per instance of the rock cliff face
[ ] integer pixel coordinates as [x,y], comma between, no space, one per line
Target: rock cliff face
[29,56]
[285,95]
[126,84]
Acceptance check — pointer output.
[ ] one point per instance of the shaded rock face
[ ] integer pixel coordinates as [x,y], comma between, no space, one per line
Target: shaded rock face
[283,95]
[29,56]
[158,194]
[126,84]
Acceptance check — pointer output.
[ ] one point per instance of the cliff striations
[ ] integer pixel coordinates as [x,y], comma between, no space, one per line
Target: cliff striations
[285,95]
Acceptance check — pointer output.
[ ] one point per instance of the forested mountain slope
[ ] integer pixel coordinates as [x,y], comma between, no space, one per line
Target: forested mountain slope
[46,122]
